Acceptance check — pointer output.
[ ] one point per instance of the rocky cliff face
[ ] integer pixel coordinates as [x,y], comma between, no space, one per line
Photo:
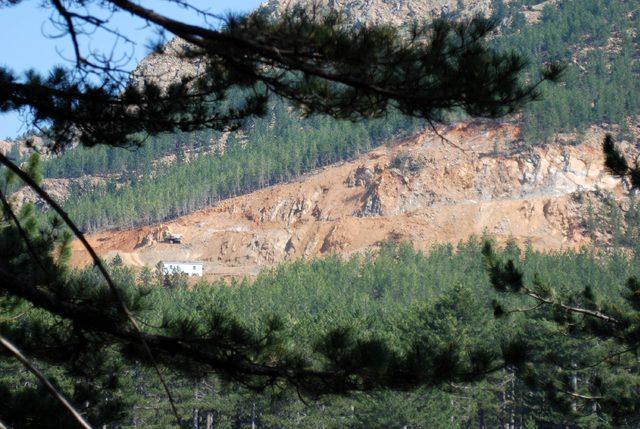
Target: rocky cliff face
[23,147]
[422,189]
[394,12]
[5,147]
[169,65]
[59,189]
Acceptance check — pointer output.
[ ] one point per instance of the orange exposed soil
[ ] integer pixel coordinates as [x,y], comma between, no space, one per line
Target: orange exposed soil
[422,189]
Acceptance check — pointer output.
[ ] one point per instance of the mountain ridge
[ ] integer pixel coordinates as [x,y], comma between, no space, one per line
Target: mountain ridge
[168,65]
[393,12]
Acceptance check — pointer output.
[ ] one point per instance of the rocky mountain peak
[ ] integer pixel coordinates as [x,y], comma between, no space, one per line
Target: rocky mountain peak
[169,65]
[394,12]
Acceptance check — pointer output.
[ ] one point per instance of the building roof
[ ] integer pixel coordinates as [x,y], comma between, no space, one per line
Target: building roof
[182,262]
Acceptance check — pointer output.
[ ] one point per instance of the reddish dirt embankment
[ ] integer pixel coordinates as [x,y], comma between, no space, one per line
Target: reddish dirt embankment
[422,190]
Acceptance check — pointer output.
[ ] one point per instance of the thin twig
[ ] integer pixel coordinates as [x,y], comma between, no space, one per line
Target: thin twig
[525,310]
[35,371]
[442,137]
[71,30]
[12,319]
[286,59]
[579,396]
[600,361]
[98,263]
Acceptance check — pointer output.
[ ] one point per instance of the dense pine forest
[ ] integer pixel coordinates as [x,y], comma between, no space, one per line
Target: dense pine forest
[393,295]
[596,40]
[482,353]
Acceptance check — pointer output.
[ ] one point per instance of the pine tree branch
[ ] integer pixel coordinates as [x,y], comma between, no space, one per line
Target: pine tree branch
[280,57]
[308,59]
[608,357]
[92,319]
[232,360]
[525,310]
[591,313]
[11,348]
[98,263]
[506,277]
[443,137]
[579,396]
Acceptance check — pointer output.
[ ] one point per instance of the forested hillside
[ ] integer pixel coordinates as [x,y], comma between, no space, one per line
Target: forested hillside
[270,150]
[597,40]
[443,297]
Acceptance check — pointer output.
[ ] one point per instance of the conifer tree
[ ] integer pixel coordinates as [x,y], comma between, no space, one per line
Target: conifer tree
[589,319]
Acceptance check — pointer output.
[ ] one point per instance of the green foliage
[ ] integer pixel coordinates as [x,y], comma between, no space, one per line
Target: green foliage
[398,318]
[440,301]
[597,40]
[307,57]
[599,326]
[89,379]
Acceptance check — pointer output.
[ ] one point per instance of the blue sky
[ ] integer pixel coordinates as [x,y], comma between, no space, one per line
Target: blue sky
[25,44]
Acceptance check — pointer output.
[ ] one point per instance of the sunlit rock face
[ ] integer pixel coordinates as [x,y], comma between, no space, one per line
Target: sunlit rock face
[394,12]
[169,66]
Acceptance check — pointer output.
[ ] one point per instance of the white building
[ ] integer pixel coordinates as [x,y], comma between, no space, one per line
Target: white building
[189,267]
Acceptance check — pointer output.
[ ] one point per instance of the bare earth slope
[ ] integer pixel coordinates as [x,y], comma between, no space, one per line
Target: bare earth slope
[422,190]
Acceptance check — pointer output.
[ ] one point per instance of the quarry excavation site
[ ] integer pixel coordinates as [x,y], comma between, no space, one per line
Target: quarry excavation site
[423,189]
[320,214]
